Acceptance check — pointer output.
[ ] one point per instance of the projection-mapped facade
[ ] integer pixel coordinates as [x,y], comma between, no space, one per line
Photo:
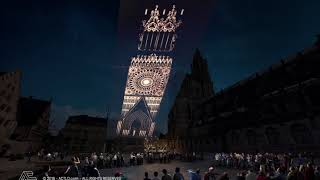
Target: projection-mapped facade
[159,34]
[148,73]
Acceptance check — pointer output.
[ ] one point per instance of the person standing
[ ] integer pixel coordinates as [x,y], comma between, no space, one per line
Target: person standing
[178,175]
[241,176]
[146,176]
[131,159]
[194,175]
[165,176]
[94,172]
[210,175]
[198,176]
[300,173]
[161,156]
[73,171]
[309,172]
[94,157]
[86,167]
[122,160]
[108,161]
[114,159]
[134,157]
[100,161]
[155,174]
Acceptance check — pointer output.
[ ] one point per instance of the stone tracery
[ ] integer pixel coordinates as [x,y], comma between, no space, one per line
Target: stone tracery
[148,74]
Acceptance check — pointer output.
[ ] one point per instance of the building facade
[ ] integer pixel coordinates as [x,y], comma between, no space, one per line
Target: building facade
[33,122]
[9,97]
[149,73]
[195,88]
[273,110]
[84,133]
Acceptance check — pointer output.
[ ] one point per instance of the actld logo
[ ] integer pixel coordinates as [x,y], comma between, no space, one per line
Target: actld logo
[27,175]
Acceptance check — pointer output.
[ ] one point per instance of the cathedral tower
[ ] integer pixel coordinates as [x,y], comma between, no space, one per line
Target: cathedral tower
[149,73]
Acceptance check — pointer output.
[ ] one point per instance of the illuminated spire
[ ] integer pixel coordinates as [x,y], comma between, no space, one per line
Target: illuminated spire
[159,33]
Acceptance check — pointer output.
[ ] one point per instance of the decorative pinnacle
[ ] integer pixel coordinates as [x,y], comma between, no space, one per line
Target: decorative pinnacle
[160,24]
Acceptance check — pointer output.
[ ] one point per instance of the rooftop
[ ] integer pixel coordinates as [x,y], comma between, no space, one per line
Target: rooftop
[30,110]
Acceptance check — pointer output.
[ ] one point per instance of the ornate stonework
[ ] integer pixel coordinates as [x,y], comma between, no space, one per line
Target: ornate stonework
[159,33]
[147,80]
[157,24]
[148,75]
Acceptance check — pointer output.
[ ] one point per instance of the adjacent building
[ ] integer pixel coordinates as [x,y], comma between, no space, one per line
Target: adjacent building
[273,110]
[32,123]
[84,133]
[9,97]
[195,88]
[23,120]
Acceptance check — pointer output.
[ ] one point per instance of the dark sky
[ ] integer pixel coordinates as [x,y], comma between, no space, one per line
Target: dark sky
[76,52]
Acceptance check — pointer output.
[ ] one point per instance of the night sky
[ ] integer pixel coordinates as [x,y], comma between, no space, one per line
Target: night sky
[77,52]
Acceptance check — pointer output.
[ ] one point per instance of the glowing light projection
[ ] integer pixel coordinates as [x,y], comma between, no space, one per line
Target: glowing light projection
[147,79]
[148,74]
[159,33]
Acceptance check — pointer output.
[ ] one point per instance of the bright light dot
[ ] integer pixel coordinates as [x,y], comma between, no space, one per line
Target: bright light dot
[146,82]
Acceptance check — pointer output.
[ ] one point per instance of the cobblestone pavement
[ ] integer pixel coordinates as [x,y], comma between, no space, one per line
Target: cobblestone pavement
[137,172]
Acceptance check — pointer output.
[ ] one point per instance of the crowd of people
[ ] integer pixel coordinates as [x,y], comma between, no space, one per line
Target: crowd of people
[254,160]
[102,160]
[46,155]
[251,166]
[307,172]
[263,166]
[254,166]
[177,175]
[136,159]
[88,167]
[114,160]
[192,175]
[161,157]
